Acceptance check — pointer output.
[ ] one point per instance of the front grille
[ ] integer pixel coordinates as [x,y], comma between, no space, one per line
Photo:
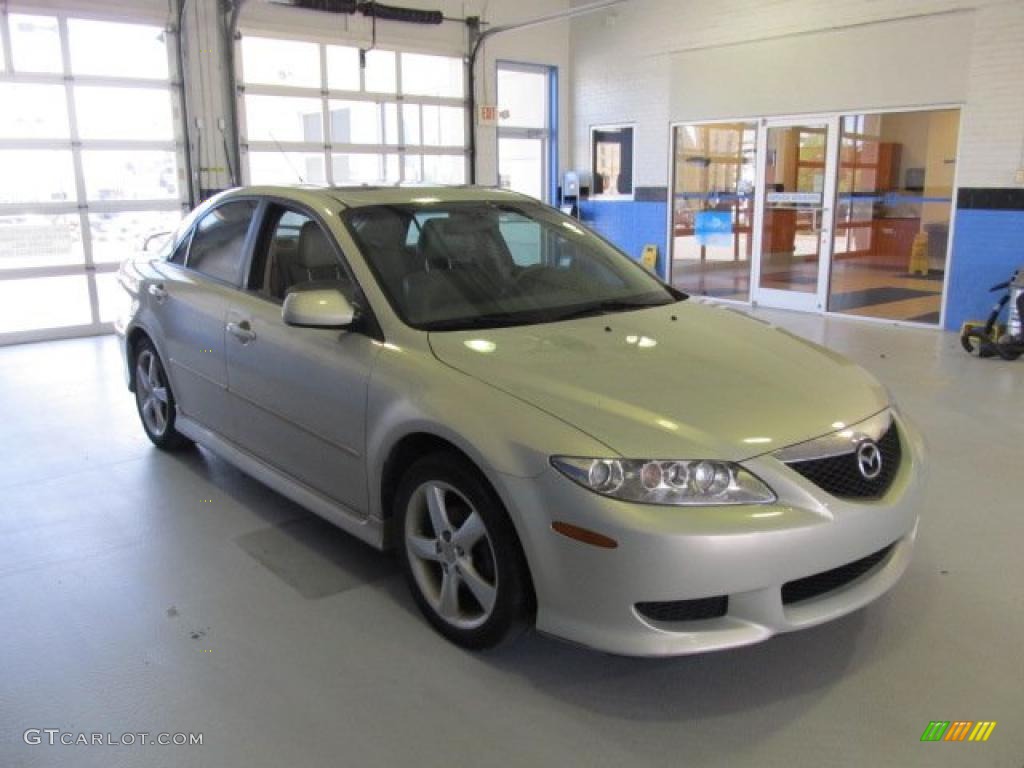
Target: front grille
[841,477]
[685,610]
[826,581]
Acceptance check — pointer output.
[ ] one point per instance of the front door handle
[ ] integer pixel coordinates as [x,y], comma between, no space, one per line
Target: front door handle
[241,331]
[157,291]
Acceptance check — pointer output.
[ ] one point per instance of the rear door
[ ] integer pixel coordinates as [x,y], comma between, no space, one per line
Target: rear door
[298,395]
[191,305]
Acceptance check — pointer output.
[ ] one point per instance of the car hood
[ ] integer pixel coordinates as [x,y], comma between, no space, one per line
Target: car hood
[686,380]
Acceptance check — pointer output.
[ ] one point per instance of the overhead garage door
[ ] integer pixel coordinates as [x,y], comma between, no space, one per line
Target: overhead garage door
[89,166]
[314,113]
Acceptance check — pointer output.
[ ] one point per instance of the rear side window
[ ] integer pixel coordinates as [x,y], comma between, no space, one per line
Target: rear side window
[218,242]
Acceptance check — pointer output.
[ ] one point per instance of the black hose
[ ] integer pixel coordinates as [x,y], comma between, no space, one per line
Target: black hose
[180,35]
[472,108]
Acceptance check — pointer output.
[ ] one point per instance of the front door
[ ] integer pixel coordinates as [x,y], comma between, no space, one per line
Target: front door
[298,395]
[793,219]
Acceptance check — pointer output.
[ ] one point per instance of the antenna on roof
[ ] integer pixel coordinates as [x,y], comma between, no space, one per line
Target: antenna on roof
[286,158]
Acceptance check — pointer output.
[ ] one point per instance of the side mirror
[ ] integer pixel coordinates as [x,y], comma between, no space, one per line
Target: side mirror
[161,237]
[322,308]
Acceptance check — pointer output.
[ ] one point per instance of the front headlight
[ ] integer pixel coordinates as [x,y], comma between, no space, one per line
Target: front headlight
[670,482]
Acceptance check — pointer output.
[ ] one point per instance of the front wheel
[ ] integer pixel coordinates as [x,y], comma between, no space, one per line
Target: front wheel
[460,553]
[155,400]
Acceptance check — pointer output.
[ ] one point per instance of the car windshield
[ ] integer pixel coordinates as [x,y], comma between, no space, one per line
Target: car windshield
[451,266]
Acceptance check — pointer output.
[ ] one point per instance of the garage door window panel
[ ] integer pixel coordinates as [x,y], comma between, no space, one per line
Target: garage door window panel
[284,119]
[36,176]
[218,243]
[279,167]
[342,68]
[425,75]
[357,168]
[88,164]
[361,121]
[32,111]
[124,113]
[281,62]
[44,302]
[35,43]
[118,236]
[40,240]
[380,75]
[102,48]
[130,175]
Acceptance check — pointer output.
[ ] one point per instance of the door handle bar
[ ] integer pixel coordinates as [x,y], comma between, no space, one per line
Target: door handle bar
[241,331]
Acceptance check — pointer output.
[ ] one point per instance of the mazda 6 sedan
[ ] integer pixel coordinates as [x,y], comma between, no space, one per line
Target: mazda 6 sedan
[542,429]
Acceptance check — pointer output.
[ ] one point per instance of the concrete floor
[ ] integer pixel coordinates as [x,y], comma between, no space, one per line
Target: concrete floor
[147,592]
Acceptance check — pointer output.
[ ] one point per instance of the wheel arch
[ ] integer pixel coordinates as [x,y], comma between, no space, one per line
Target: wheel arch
[132,340]
[402,454]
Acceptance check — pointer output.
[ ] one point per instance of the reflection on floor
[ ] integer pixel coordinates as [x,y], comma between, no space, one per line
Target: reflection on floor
[856,289]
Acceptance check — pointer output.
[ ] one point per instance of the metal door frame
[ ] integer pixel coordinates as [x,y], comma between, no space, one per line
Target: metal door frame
[780,298]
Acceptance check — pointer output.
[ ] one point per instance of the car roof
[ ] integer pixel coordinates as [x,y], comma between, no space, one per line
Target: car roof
[354,197]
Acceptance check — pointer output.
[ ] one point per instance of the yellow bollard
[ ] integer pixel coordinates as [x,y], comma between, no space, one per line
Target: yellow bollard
[649,257]
[919,254]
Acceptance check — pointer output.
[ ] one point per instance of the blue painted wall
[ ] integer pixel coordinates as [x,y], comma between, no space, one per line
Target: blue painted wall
[987,246]
[631,225]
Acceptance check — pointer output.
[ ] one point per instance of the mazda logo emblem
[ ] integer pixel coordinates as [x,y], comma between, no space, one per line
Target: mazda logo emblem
[869,460]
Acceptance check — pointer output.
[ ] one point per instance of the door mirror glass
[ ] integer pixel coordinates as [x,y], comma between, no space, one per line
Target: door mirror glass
[326,308]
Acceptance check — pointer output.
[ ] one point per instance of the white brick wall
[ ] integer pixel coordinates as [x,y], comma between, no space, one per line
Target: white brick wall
[992,144]
[626,62]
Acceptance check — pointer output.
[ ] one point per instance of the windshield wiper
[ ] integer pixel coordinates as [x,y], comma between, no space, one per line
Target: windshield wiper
[494,320]
[607,307]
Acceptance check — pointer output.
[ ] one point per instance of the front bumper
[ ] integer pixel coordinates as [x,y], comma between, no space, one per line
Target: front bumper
[588,595]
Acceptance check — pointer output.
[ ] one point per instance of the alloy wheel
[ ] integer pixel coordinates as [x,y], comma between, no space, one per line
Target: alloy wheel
[451,555]
[151,392]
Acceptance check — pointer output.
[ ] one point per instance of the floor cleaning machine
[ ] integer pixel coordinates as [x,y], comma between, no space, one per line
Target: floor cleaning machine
[990,338]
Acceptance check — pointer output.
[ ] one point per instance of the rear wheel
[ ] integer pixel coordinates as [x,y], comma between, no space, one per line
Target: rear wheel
[460,553]
[155,400]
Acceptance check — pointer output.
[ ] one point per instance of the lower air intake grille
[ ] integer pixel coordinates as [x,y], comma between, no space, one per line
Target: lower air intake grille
[841,476]
[685,610]
[826,581]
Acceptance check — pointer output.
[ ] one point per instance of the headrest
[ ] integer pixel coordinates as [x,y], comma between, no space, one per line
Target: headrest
[381,227]
[314,248]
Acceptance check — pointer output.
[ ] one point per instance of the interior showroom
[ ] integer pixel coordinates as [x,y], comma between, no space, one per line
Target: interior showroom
[511,383]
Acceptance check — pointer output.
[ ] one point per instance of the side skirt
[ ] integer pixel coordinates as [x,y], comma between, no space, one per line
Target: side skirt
[368,529]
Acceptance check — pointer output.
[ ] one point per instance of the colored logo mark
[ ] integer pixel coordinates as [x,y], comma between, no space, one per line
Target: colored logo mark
[958,730]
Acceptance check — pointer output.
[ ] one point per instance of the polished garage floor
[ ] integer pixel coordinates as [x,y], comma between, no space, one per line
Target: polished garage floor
[147,592]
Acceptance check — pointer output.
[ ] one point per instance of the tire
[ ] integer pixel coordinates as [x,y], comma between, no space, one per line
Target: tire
[469,579]
[1010,347]
[154,399]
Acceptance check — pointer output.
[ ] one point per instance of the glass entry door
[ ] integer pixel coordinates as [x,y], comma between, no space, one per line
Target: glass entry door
[793,219]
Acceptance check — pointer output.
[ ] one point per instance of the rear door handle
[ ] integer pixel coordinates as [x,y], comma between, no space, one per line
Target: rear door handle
[241,331]
[157,291]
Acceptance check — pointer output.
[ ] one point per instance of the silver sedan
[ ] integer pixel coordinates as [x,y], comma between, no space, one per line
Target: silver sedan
[544,431]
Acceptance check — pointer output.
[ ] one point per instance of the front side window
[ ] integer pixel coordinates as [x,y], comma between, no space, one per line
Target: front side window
[450,266]
[297,254]
[218,242]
